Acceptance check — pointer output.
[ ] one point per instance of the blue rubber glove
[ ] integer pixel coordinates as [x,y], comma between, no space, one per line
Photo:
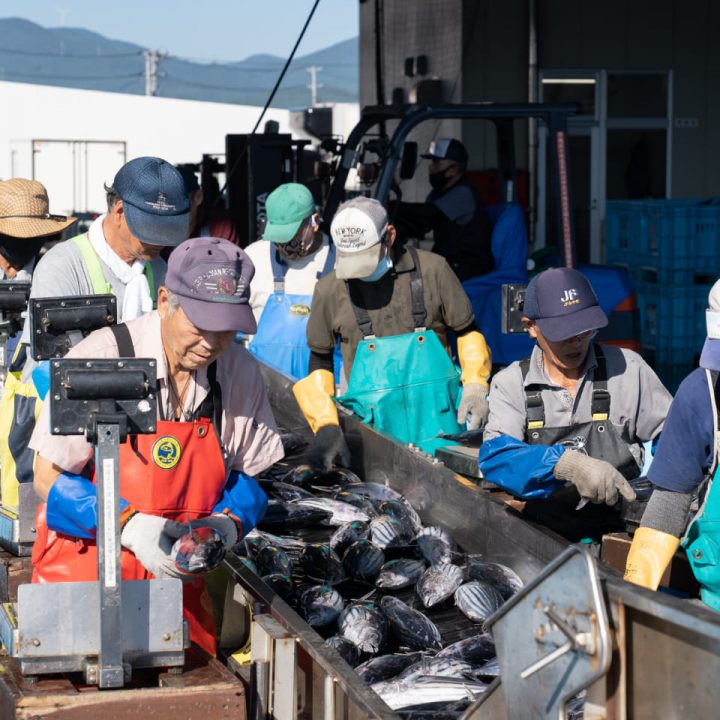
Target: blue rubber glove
[244,499]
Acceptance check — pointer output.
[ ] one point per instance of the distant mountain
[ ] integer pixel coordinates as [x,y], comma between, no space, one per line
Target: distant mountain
[74,57]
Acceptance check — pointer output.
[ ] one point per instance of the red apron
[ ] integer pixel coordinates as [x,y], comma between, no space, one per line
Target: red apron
[177,473]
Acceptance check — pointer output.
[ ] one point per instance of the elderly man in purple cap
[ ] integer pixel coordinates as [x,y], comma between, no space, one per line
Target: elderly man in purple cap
[685,463]
[575,413]
[215,429]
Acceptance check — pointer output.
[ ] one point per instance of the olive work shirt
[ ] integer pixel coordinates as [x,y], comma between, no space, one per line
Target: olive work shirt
[389,305]
[639,402]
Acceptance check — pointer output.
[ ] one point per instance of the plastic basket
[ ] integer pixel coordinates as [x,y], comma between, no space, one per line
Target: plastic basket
[664,241]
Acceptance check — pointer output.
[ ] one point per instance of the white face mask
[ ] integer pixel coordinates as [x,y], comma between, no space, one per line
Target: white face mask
[382,267]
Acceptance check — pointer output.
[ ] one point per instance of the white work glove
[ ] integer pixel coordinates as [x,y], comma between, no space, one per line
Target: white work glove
[474,407]
[596,480]
[151,538]
[221,523]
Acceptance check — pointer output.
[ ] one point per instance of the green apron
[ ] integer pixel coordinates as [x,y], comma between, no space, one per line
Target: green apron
[702,539]
[405,385]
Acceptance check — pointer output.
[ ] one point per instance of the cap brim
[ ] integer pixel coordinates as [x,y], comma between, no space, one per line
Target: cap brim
[710,356]
[350,266]
[34,227]
[428,156]
[219,316]
[281,233]
[566,326]
[164,230]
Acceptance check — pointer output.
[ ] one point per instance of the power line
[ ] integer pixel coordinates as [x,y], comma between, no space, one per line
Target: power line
[12,51]
[73,77]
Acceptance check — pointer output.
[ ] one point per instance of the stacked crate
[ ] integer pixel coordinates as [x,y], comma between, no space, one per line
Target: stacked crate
[671,250]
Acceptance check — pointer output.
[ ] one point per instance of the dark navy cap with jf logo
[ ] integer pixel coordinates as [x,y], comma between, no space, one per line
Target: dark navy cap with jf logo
[155,202]
[563,304]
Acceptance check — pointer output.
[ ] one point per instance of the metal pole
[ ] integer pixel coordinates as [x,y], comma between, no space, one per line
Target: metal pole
[532,122]
[107,464]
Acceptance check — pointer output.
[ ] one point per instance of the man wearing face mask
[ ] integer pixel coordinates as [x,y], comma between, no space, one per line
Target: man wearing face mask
[453,211]
[570,421]
[391,309]
[289,260]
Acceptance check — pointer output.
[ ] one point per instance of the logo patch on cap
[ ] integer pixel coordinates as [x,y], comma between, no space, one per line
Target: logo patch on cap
[219,285]
[349,237]
[570,297]
[160,204]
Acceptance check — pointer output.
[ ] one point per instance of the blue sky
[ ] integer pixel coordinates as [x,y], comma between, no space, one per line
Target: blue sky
[200,29]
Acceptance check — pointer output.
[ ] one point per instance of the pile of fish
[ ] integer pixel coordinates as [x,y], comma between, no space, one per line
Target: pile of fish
[400,602]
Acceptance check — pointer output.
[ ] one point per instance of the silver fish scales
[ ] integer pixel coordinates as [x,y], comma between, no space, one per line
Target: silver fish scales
[321,605]
[438,583]
[478,600]
[399,574]
[410,626]
[387,531]
[365,625]
[363,560]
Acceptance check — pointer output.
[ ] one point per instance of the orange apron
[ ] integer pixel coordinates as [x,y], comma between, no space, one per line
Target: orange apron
[177,473]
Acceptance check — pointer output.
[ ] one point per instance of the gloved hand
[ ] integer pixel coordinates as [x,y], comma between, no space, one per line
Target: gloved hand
[474,407]
[151,538]
[221,523]
[596,480]
[650,553]
[329,448]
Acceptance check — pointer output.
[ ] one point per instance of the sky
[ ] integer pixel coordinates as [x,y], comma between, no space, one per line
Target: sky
[225,30]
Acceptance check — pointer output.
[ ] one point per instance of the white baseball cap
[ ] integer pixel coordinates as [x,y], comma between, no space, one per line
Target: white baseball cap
[358,228]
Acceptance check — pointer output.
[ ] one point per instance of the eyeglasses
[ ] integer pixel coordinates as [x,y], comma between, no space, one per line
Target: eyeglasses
[42,216]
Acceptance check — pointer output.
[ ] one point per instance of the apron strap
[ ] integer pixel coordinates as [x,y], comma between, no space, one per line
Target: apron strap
[211,406]
[124,342]
[419,313]
[534,408]
[279,270]
[600,407]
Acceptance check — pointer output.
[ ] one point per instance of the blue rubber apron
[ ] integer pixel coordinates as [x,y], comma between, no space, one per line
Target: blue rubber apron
[702,539]
[405,385]
[280,340]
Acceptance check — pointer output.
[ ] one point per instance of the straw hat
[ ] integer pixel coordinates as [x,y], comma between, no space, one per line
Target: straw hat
[24,210]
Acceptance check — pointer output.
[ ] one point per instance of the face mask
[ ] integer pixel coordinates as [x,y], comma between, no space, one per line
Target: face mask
[438,179]
[382,267]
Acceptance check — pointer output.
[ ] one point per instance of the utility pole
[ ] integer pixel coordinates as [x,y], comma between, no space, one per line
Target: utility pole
[152,58]
[313,70]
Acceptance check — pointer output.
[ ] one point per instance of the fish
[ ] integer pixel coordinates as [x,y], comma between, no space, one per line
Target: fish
[363,560]
[478,600]
[322,564]
[340,512]
[364,624]
[411,627]
[503,578]
[337,477]
[387,531]
[272,560]
[402,511]
[375,491]
[347,650]
[301,475]
[384,667]
[281,541]
[249,564]
[198,551]
[252,543]
[288,493]
[475,649]
[361,502]
[321,605]
[281,516]
[438,583]
[346,535]
[427,689]
[292,442]
[437,667]
[489,670]
[281,585]
[436,545]
[399,574]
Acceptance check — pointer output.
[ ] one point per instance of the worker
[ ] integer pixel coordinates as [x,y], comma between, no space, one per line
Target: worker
[215,429]
[453,211]
[289,260]
[683,470]
[574,412]
[391,308]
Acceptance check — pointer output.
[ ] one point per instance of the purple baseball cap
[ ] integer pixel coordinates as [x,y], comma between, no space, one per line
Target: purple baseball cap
[211,278]
[563,304]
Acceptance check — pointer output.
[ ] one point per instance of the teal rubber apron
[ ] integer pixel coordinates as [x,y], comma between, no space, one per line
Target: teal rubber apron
[702,539]
[405,385]
[281,340]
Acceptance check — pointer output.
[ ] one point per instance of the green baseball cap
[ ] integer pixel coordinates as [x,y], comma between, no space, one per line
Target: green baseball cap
[287,207]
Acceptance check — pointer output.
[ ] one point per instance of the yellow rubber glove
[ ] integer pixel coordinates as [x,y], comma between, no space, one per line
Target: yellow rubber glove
[650,553]
[314,395]
[475,358]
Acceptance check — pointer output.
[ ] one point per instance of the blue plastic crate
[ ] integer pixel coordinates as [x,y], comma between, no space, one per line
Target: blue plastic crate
[664,241]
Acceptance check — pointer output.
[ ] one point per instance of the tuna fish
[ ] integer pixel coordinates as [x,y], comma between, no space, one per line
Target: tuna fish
[272,560]
[284,542]
[489,670]
[288,493]
[402,511]
[503,578]
[200,550]
[475,650]
[340,512]
[411,627]
[387,531]
[347,650]
[385,667]
[281,516]
[422,690]
[399,574]
[347,534]
[478,600]
[321,605]
[301,475]
[361,502]
[249,564]
[362,560]
[437,667]
[322,564]
[438,583]
[436,545]
[281,585]
[365,625]
[375,491]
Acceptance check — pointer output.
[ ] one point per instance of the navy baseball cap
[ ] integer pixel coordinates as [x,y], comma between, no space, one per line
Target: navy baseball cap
[563,304]
[155,201]
[446,149]
[211,278]
[710,356]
